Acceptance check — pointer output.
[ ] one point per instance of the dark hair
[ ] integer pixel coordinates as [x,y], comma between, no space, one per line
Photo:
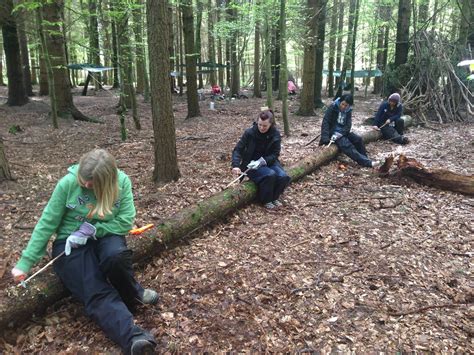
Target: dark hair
[347,98]
[267,115]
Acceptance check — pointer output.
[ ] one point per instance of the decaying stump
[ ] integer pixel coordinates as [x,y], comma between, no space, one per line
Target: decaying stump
[46,289]
[439,178]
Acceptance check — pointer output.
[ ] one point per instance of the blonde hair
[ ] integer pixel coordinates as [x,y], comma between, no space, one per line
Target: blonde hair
[100,167]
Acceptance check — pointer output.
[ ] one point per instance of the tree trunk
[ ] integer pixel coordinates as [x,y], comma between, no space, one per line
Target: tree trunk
[51,13]
[378,81]
[235,78]
[2,82]
[171,48]
[116,81]
[353,46]
[466,23]
[403,31]
[25,58]
[307,94]
[5,173]
[191,84]
[319,61]
[268,64]
[16,90]
[257,92]
[34,76]
[276,61]
[212,42]
[180,63]
[166,163]
[439,178]
[94,49]
[348,52]
[200,9]
[142,76]
[284,69]
[46,289]
[332,49]
[43,78]
[339,39]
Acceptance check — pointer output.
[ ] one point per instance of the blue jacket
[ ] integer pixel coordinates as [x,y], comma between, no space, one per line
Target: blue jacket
[335,121]
[385,112]
[243,151]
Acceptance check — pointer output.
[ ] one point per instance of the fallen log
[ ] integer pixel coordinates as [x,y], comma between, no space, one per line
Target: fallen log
[438,178]
[46,289]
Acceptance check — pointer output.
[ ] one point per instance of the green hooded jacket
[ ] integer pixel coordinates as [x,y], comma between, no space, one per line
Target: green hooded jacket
[69,207]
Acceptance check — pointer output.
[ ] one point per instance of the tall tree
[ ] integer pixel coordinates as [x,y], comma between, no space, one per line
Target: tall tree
[268,62]
[212,41]
[166,162]
[2,82]
[235,72]
[276,60]
[25,58]
[115,63]
[340,27]
[319,62]
[353,45]
[382,27]
[332,48]
[94,49]
[51,13]
[191,78]
[284,69]
[5,173]
[200,9]
[43,77]
[403,32]
[142,75]
[307,94]
[466,23]
[16,90]
[348,51]
[256,59]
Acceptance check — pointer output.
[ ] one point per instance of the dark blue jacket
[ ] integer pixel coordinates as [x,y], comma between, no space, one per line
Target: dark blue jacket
[385,112]
[243,151]
[335,121]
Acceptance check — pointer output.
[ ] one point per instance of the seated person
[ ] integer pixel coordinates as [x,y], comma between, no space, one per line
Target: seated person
[336,128]
[291,88]
[257,153]
[388,120]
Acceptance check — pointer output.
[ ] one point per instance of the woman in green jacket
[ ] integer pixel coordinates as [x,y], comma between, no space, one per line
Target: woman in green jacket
[91,211]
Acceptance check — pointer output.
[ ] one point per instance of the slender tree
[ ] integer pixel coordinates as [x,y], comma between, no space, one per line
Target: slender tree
[166,162]
[321,36]
[268,62]
[332,48]
[55,49]
[25,57]
[353,45]
[191,77]
[466,23]
[200,9]
[403,32]
[212,41]
[115,63]
[5,173]
[283,68]
[16,89]
[256,59]
[2,82]
[307,94]
[142,75]
[94,49]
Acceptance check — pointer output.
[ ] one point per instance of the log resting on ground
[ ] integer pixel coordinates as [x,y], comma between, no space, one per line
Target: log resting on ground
[46,289]
[438,178]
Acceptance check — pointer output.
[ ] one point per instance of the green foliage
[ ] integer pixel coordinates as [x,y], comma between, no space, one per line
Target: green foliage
[14,129]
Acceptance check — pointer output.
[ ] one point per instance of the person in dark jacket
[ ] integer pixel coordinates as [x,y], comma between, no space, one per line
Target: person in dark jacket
[257,153]
[336,128]
[388,120]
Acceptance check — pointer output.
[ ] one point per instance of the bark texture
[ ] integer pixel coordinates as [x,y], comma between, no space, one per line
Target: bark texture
[46,289]
[439,178]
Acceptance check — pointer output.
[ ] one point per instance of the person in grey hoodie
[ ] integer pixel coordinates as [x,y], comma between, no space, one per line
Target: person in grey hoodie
[336,128]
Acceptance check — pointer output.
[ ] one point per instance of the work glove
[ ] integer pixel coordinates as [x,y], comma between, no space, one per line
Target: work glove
[18,275]
[255,164]
[336,136]
[80,237]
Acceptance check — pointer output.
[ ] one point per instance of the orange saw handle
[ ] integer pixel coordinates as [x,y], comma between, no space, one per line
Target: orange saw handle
[140,230]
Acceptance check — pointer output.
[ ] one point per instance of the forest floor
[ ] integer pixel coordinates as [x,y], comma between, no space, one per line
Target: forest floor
[351,262]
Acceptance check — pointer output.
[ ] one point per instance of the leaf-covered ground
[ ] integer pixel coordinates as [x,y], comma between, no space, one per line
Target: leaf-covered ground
[351,262]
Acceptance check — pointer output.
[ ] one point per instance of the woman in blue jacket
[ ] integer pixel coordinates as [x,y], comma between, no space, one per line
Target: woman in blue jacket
[336,128]
[389,120]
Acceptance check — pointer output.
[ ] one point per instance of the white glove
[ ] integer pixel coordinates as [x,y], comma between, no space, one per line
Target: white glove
[80,237]
[255,164]
[336,136]
[18,275]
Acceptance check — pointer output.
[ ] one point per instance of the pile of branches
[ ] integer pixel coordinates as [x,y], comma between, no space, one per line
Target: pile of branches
[436,88]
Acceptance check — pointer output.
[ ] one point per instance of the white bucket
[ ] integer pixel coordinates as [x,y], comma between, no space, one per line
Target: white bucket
[211,105]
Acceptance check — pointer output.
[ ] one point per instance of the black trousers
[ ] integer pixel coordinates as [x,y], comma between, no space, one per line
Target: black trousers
[271,181]
[100,275]
[395,134]
[353,146]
